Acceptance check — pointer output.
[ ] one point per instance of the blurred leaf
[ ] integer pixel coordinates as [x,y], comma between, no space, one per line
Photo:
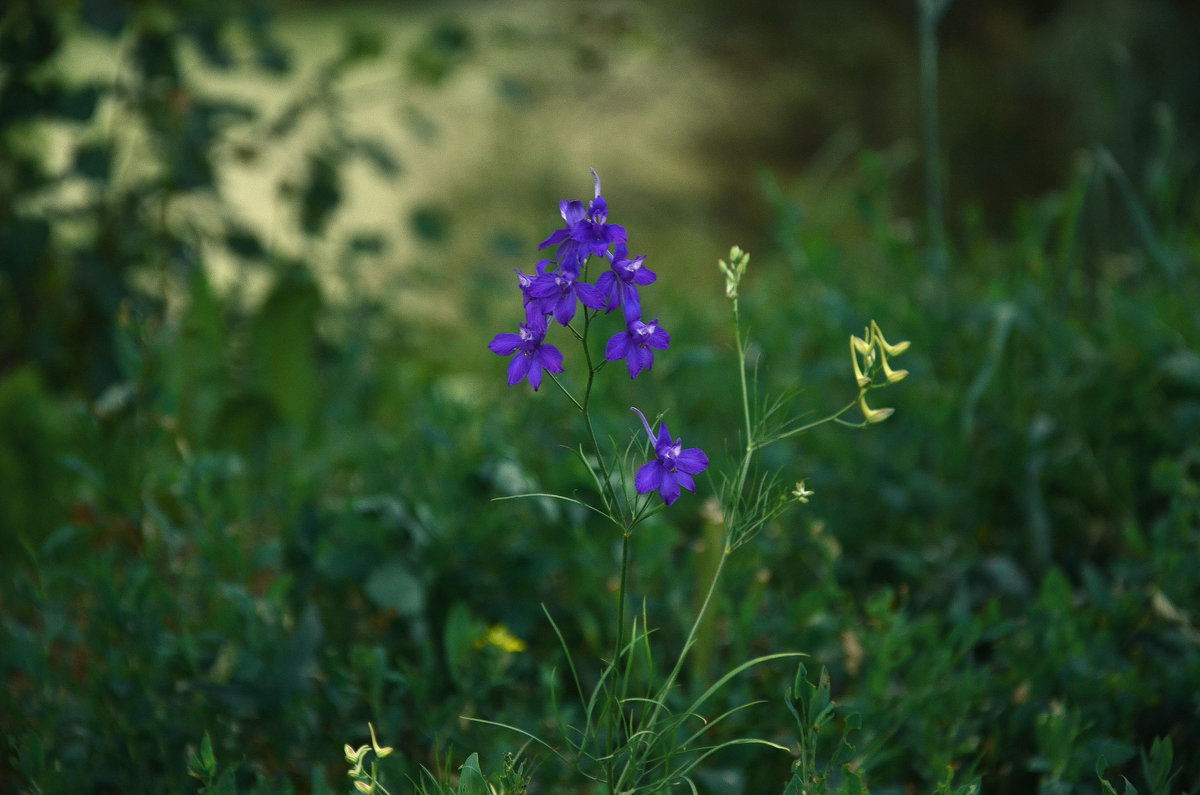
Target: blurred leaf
[516,93]
[446,46]
[244,242]
[360,44]
[1157,766]
[367,243]
[243,420]
[200,366]
[431,224]
[461,632]
[78,103]
[1101,766]
[206,34]
[322,192]
[298,661]
[393,587]
[115,399]
[377,154]
[154,52]
[93,160]
[283,341]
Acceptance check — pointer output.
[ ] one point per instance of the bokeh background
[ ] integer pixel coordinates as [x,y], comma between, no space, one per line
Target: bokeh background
[250,432]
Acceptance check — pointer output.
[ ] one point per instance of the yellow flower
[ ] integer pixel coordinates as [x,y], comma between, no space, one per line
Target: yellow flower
[499,636]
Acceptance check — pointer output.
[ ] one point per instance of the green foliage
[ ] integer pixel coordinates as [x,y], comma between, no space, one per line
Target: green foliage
[263,522]
[820,771]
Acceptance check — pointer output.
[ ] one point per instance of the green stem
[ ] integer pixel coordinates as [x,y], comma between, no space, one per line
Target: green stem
[831,418]
[741,352]
[929,14]
[734,499]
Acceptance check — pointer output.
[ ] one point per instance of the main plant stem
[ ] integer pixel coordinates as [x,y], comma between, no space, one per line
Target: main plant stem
[734,499]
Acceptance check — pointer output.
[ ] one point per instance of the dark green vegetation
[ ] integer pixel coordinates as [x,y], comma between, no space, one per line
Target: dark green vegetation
[271,519]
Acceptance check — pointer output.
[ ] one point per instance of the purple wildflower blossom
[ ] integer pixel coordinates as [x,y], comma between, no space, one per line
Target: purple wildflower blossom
[556,293]
[526,280]
[532,355]
[619,285]
[634,345]
[672,467]
[587,231]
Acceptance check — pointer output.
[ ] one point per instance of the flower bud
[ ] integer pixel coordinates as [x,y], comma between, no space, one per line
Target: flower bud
[892,376]
[734,272]
[856,347]
[380,752]
[890,350]
[354,756]
[873,415]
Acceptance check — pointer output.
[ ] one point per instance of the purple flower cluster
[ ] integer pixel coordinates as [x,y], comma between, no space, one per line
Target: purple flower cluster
[556,289]
[553,293]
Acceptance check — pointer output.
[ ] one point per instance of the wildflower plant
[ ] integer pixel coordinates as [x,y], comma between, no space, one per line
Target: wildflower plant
[629,740]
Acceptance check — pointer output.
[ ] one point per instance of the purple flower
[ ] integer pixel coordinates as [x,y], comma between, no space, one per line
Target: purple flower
[555,293]
[634,345]
[672,467]
[619,285]
[526,280]
[587,231]
[532,356]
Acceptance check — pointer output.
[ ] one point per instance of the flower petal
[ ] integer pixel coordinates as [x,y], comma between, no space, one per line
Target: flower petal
[535,372]
[685,480]
[589,295]
[556,237]
[644,276]
[551,358]
[572,212]
[638,359]
[631,302]
[615,233]
[649,477]
[641,357]
[518,368]
[669,490]
[564,311]
[663,442]
[617,347]
[505,344]
[692,460]
[659,339]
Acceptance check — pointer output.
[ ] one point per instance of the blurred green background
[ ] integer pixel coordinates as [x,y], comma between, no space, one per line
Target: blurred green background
[250,434]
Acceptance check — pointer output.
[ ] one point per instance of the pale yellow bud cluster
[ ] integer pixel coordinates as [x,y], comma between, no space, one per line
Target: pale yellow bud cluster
[734,270]
[869,356]
[364,781]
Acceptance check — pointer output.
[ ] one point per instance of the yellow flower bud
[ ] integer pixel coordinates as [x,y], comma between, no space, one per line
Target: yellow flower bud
[856,348]
[873,415]
[892,376]
[356,756]
[380,752]
[890,350]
